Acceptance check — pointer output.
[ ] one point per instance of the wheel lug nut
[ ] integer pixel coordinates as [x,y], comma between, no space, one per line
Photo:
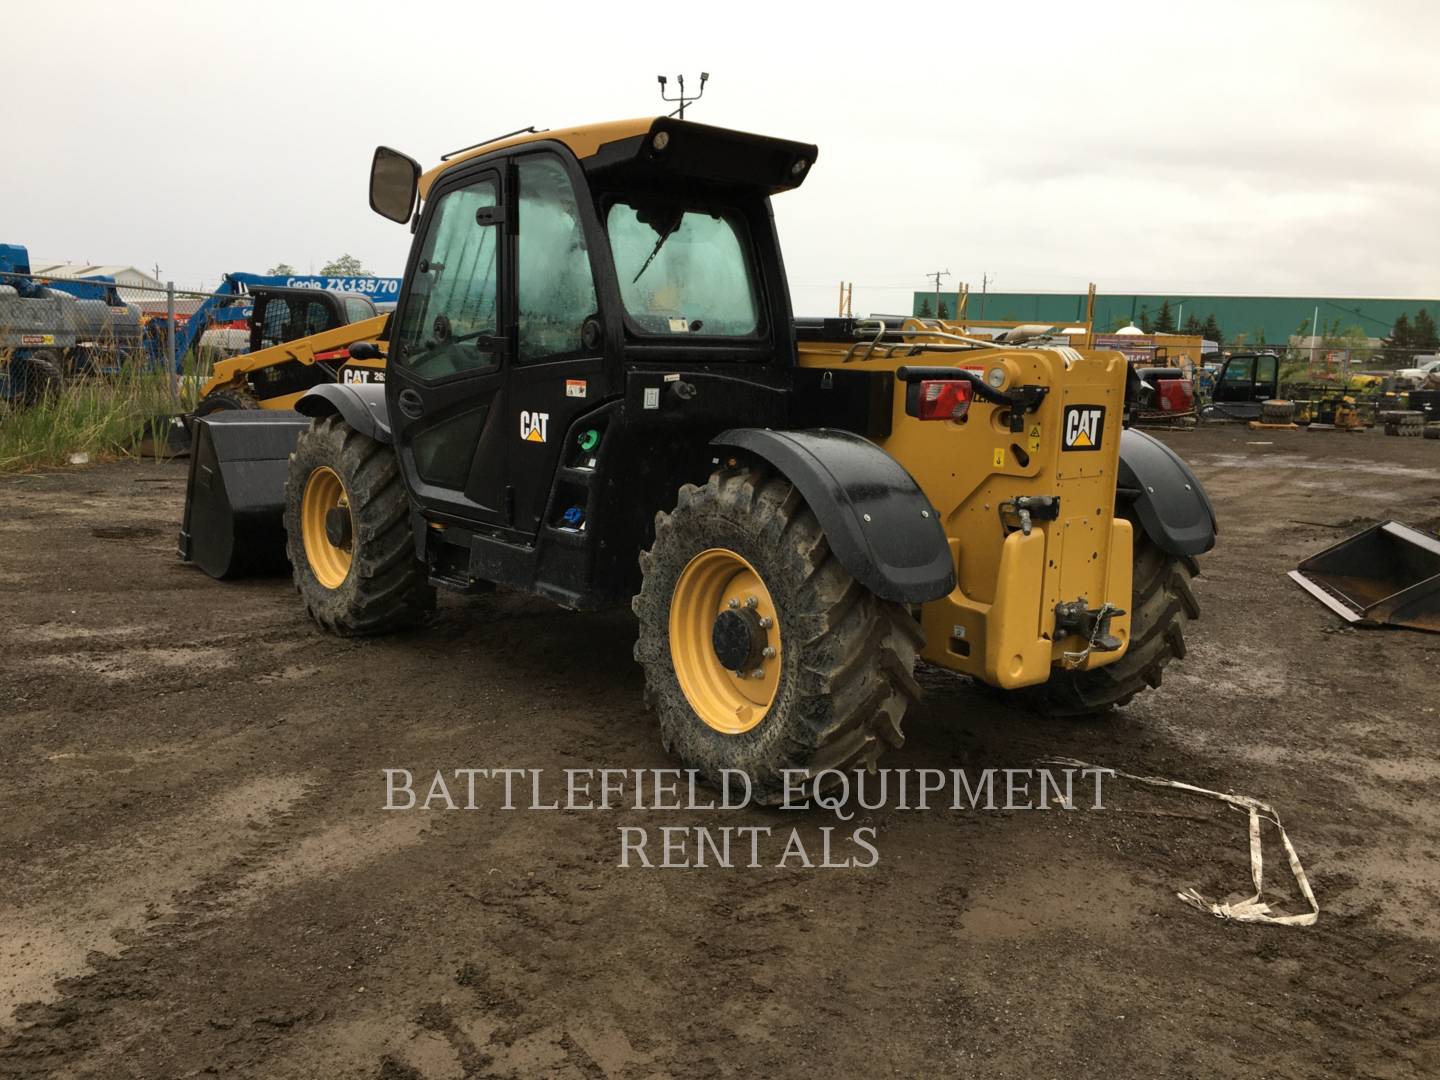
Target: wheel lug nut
[766,622]
[734,603]
[751,602]
[768,652]
[758,673]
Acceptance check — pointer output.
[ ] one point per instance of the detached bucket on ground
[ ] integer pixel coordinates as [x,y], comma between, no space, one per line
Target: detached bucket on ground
[1387,575]
[235,499]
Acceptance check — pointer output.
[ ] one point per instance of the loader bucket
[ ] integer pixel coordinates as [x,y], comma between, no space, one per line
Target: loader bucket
[1387,575]
[235,498]
[165,437]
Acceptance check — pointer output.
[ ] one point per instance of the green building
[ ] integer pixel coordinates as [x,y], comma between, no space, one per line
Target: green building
[1261,319]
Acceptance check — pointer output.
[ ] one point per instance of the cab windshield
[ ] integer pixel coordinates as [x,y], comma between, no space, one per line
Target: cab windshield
[682,270]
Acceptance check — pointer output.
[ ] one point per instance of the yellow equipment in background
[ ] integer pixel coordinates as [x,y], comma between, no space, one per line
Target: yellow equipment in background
[250,380]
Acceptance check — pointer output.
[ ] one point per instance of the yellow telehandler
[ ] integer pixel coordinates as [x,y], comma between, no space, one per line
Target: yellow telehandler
[595,390]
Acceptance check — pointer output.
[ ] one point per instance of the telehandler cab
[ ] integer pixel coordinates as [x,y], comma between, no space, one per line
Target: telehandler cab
[595,391]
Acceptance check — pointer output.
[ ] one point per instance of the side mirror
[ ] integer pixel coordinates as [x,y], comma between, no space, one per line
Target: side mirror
[394,184]
[365,350]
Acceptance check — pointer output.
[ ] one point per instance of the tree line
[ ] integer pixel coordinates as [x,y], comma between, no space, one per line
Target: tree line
[1406,339]
[346,265]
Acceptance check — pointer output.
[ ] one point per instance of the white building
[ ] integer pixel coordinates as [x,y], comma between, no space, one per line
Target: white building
[125,276]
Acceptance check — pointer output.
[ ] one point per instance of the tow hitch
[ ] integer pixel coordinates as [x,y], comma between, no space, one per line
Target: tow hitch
[1093,624]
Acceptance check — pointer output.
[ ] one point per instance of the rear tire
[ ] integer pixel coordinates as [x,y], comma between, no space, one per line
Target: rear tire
[369,582]
[1162,603]
[841,678]
[36,378]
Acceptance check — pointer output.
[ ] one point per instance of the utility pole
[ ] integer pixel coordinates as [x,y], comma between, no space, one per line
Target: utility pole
[984,288]
[682,99]
[937,275]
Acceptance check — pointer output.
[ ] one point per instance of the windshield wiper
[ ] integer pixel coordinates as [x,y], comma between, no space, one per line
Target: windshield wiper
[656,249]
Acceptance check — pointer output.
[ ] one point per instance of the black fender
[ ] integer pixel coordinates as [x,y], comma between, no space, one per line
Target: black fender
[1169,499]
[876,519]
[362,405]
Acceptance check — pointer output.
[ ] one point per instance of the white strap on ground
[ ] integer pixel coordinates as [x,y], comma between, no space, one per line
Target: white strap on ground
[1253,909]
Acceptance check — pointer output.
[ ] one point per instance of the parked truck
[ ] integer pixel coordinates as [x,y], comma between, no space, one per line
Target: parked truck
[49,330]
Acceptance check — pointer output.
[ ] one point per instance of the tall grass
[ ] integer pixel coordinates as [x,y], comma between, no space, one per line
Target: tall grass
[102,416]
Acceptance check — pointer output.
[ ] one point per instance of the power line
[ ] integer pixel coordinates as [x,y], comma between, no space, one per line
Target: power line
[937,275]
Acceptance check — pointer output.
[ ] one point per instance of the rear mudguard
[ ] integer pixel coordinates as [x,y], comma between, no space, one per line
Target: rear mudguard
[1169,500]
[361,405]
[876,519]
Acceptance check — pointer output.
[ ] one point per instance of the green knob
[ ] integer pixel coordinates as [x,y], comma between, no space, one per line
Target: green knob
[589,439]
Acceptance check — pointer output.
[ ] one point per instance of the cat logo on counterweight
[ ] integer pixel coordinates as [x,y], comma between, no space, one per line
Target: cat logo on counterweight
[1084,427]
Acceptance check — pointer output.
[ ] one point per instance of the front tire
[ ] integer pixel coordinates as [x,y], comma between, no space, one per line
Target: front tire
[227,399]
[1163,603]
[834,687]
[348,535]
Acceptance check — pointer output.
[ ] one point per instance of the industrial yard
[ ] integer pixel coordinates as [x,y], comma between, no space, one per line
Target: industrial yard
[201,877]
[480,603]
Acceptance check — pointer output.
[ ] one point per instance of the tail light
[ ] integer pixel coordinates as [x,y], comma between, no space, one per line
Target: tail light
[939,399]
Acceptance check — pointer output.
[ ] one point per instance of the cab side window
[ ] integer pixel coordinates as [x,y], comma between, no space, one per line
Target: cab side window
[357,310]
[1240,371]
[451,319]
[556,290]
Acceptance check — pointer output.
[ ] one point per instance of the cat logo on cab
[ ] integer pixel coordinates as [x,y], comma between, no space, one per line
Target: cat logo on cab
[1084,427]
[533,425]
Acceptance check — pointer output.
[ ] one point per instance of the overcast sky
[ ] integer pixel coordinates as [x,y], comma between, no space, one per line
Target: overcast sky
[1212,147]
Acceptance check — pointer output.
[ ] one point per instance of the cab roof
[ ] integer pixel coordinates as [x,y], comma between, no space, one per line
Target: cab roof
[698,151]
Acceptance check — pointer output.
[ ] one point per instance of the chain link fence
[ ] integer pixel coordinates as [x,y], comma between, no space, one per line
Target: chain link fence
[55,330]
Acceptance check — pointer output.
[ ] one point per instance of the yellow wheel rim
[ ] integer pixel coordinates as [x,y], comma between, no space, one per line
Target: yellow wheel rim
[715,582]
[330,563]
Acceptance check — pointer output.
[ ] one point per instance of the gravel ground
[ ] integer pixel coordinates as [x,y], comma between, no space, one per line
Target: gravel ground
[199,876]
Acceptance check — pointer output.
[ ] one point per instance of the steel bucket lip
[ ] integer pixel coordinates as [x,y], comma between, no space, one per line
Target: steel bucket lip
[1406,605]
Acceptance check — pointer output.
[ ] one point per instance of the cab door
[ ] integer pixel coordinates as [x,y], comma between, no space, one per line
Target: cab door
[1248,378]
[444,385]
[558,371]
[1237,380]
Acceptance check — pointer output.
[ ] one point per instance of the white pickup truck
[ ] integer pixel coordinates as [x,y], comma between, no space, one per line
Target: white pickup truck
[1429,366]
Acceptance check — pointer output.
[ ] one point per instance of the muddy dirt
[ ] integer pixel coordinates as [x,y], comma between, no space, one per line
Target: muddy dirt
[199,877]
